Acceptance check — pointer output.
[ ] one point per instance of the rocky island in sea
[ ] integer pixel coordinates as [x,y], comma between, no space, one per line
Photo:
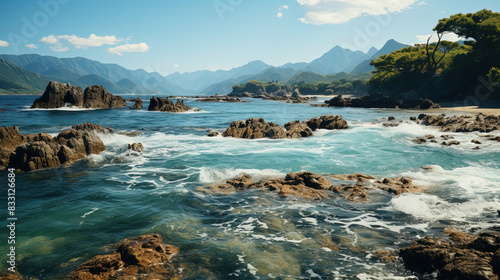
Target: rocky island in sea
[380,163]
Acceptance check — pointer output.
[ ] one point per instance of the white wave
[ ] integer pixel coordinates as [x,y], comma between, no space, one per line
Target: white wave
[88,213]
[432,208]
[211,175]
[69,108]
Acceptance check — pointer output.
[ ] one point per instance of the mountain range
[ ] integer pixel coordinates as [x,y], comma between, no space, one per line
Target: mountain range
[30,73]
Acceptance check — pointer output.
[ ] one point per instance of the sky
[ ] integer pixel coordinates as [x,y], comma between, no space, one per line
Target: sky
[170,36]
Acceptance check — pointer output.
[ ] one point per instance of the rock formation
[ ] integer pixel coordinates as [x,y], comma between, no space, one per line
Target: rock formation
[464,123]
[59,95]
[93,127]
[381,101]
[36,151]
[468,257]
[219,98]
[137,104]
[258,128]
[133,258]
[166,105]
[136,147]
[313,186]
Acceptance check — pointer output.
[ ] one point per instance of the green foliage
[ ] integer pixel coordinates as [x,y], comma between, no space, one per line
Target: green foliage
[15,80]
[311,77]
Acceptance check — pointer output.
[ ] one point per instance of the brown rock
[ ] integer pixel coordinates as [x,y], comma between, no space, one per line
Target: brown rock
[353,177]
[398,186]
[254,129]
[136,147]
[447,137]
[166,105]
[137,104]
[297,129]
[133,258]
[327,122]
[93,127]
[390,124]
[450,143]
[391,118]
[356,193]
[466,123]
[219,98]
[97,97]
[9,275]
[476,141]
[213,134]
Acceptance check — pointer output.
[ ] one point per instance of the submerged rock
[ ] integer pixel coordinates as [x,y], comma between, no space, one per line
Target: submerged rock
[470,257]
[213,134]
[59,95]
[258,128]
[36,151]
[166,105]
[133,258]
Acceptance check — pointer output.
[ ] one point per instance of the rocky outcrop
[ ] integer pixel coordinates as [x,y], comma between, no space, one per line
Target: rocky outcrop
[36,151]
[213,134]
[258,128]
[136,147]
[463,123]
[469,257]
[137,103]
[301,184]
[133,258]
[93,127]
[166,105]
[219,98]
[381,101]
[313,186]
[289,99]
[59,95]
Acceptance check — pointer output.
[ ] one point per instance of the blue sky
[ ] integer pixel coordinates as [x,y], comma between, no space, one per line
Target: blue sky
[190,35]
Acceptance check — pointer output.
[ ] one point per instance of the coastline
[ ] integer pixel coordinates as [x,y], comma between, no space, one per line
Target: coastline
[471,109]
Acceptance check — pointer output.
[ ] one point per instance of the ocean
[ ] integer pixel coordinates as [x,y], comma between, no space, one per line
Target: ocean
[69,214]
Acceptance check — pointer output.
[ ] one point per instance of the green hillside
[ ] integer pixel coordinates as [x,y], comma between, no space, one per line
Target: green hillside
[16,80]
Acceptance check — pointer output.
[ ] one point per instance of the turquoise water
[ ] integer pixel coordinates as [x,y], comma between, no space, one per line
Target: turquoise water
[68,215]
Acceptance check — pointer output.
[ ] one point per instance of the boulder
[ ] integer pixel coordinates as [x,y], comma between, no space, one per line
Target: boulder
[59,95]
[254,129]
[462,123]
[37,151]
[398,186]
[327,122]
[355,193]
[469,257]
[297,129]
[166,105]
[136,147]
[133,258]
[450,143]
[213,134]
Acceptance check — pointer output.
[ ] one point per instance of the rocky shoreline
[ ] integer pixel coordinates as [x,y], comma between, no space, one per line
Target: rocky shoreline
[167,105]
[382,101]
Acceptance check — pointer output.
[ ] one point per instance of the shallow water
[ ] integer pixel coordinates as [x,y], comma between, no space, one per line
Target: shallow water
[68,215]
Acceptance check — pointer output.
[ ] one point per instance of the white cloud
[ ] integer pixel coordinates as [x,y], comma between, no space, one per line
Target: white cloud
[177,65]
[31,46]
[51,39]
[284,7]
[92,41]
[320,12]
[422,3]
[141,47]
[4,43]
[59,48]
[446,37]
[280,14]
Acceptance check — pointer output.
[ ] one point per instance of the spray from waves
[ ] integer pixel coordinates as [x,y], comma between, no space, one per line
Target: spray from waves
[472,180]
[432,208]
[211,175]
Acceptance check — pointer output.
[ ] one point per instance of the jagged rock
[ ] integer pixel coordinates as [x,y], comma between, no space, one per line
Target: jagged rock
[450,143]
[137,104]
[36,151]
[476,141]
[97,97]
[356,193]
[391,118]
[353,177]
[413,118]
[470,257]
[254,129]
[93,127]
[380,101]
[466,123]
[327,122]
[297,129]
[390,124]
[423,140]
[213,134]
[447,137]
[398,186]
[301,184]
[136,147]
[166,105]
[133,258]
[58,95]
